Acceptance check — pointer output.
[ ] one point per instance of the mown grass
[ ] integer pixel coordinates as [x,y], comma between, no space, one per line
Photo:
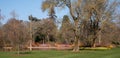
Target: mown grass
[111,53]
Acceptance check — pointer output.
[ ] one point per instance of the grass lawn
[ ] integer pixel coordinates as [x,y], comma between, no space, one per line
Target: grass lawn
[112,53]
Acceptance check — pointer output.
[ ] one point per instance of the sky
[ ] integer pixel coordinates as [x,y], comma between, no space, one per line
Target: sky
[24,8]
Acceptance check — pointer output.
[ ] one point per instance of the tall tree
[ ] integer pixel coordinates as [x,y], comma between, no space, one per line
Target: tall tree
[44,30]
[88,16]
[1,31]
[66,31]
[16,32]
[50,5]
[16,35]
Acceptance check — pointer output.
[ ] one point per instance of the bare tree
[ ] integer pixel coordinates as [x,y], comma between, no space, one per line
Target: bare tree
[88,16]
[16,33]
[1,31]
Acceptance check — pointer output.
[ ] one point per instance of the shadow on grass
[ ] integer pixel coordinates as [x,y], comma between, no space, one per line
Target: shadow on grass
[24,53]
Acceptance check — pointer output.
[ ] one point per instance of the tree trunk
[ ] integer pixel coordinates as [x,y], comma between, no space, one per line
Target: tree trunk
[18,47]
[44,41]
[99,38]
[76,45]
[48,38]
[30,45]
[76,42]
[94,39]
